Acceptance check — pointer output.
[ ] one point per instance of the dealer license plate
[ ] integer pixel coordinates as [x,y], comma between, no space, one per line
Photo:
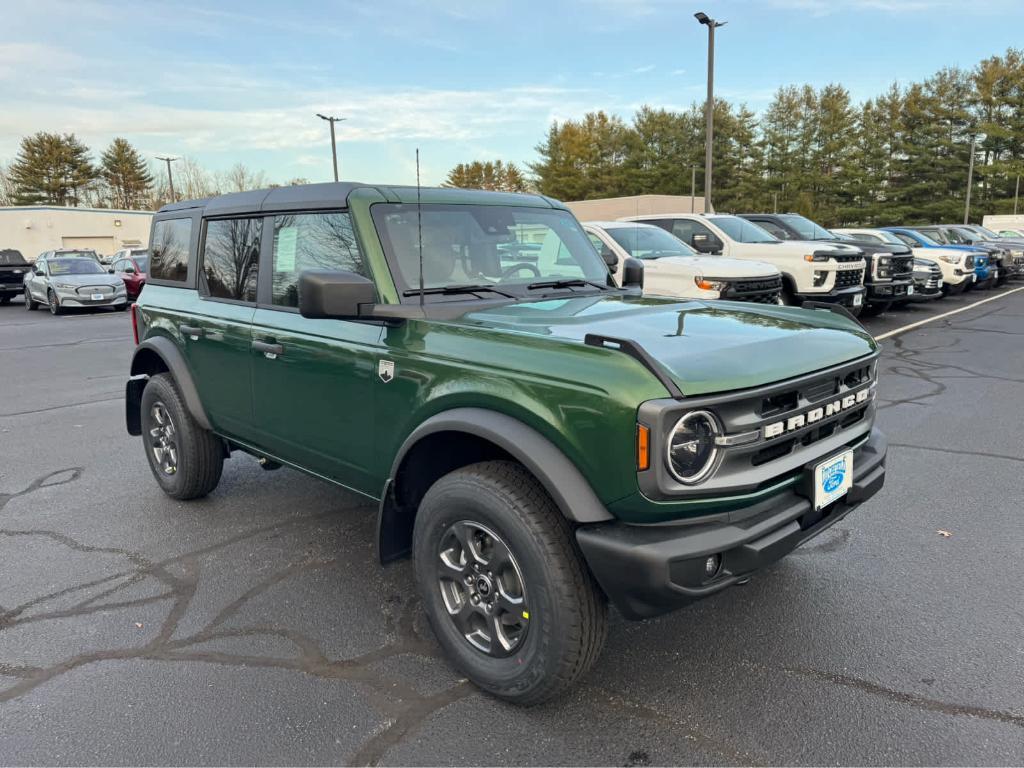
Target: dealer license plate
[910,290]
[833,479]
[97,297]
[858,300]
[974,277]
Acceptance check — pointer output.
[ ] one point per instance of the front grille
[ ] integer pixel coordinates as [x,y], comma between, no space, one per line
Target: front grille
[902,267]
[88,290]
[849,277]
[762,291]
[845,258]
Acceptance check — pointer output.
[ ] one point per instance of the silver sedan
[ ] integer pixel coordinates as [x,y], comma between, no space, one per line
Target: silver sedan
[64,282]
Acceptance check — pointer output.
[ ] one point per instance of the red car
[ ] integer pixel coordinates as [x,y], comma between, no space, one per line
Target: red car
[131,265]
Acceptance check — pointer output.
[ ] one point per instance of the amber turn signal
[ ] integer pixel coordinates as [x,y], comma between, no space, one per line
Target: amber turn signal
[643,447]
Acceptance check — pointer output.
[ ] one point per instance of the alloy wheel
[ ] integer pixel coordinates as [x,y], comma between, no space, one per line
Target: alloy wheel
[54,306]
[163,439]
[482,588]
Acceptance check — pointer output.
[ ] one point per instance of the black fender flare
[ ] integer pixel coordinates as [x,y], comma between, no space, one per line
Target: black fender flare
[565,484]
[168,351]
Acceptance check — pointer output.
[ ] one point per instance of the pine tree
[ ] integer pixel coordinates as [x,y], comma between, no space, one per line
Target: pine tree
[51,169]
[495,176]
[126,175]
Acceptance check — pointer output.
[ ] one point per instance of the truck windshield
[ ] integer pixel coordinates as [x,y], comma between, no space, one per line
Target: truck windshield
[642,242]
[12,258]
[742,230]
[507,246]
[806,228]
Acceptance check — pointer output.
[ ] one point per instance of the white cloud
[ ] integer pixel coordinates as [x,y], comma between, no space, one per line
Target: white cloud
[643,69]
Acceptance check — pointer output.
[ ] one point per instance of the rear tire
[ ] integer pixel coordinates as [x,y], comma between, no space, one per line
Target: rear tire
[186,459]
[488,531]
[30,304]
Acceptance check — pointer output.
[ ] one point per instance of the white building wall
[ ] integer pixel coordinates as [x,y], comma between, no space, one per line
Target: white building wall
[33,229]
[610,208]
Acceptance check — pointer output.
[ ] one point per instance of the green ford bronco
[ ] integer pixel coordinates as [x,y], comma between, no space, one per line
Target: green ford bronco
[539,440]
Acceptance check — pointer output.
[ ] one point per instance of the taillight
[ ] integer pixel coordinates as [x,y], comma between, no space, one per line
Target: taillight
[135,323]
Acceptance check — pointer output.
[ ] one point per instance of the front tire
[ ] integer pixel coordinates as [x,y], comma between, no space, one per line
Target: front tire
[55,307]
[185,459]
[504,585]
[30,304]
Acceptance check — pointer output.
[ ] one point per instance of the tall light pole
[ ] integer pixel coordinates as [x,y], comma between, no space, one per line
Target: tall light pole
[970,182]
[709,105]
[1016,194]
[170,178]
[334,146]
[693,186]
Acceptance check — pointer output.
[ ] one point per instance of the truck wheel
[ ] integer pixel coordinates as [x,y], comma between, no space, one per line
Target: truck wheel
[5,299]
[186,459]
[503,584]
[30,304]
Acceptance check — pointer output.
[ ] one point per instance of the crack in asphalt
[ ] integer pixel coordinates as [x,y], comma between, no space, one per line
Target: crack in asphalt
[955,452]
[404,709]
[98,399]
[66,344]
[902,697]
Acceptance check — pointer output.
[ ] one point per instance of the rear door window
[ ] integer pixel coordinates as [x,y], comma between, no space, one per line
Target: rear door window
[171,240]
[231,255]
[311,241]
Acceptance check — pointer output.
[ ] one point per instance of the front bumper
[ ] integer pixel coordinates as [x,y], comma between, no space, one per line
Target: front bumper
[848,297]
[647,570]
[882,293]
[77,300]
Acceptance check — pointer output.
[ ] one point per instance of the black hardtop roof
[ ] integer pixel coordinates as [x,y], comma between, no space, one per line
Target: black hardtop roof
[328,195]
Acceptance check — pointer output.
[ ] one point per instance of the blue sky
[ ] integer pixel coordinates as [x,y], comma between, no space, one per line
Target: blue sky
[462,80]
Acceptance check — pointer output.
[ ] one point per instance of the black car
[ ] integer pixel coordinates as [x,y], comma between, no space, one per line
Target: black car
[889,273]
[927,280]
[12,272]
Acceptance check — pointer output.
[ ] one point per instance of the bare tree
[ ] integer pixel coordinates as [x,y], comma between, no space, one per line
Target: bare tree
[240,178]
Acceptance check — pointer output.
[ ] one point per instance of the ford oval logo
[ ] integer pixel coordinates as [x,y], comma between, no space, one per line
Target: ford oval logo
[833,477]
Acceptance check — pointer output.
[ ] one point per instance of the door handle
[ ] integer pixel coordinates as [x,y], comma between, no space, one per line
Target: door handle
[270,351]
[192,330]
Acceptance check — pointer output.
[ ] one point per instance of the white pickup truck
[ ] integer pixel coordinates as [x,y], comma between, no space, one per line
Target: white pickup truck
[811,271]
[672,268]
[957,266]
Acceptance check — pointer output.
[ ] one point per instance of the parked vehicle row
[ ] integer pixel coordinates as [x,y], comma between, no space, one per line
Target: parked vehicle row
[66,278]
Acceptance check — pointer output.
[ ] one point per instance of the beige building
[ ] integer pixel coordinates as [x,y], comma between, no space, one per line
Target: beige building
[611,208]
[33,229]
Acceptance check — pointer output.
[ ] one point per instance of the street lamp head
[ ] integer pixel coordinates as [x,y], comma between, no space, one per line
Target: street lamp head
[322,117]
[702,17]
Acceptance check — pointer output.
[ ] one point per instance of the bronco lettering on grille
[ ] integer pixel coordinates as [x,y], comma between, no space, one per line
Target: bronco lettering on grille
[814,415]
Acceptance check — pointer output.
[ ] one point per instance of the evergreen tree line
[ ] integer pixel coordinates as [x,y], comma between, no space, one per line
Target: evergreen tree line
[58,169]
[902,157]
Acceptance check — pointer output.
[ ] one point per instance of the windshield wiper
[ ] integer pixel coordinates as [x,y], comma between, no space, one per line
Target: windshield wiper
[449,290]
[573,282]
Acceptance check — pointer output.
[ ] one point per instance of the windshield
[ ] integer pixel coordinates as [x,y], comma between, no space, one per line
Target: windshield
[505,246]
[74,266]
[12,258]
[742,230]
[142,262]
[985,232]
[923,239]
[649,242]
[961,235]
[806,228]
[78,255]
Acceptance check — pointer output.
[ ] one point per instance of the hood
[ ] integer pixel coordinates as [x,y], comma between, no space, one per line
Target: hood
[721,266]
[705,346]
[99,279]
[809,246]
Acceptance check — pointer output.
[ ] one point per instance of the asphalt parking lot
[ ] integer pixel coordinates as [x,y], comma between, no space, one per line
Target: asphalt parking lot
[256,627]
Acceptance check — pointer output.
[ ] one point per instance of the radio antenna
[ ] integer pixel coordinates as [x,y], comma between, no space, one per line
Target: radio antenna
[419,221]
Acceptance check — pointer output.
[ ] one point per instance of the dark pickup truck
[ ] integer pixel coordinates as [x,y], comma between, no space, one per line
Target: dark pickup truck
[889,275]
[12,274]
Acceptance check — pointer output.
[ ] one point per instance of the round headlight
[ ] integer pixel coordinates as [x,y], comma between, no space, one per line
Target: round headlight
[691,447]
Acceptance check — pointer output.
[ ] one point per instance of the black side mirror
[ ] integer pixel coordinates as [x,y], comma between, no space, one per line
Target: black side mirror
[40,273]
[111,270]
[610,259]
[706,243]
[128,270]
[632,273]
[327,293]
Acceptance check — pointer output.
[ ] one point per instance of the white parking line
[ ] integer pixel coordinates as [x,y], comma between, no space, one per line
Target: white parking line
[919,323]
